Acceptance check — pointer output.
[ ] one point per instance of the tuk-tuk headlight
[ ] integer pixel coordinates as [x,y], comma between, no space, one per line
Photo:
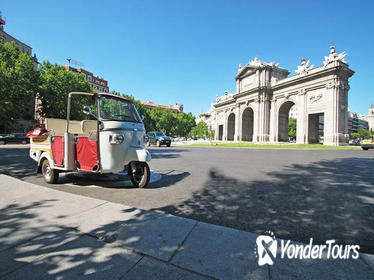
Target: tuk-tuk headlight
[116,138]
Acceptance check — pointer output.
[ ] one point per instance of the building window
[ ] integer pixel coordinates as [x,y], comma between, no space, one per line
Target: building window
[89,78]
[84,75]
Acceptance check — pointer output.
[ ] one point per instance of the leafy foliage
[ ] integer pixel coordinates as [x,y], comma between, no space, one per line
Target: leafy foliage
[355,135]
[363,132]
[56,83]
[200,130]
[158,119]
[18,84]
[292,127]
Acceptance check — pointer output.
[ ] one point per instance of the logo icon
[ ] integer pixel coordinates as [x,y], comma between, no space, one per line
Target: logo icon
[266,249]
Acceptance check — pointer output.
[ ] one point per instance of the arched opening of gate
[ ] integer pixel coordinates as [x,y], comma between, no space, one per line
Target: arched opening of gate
[287,132]
[247,125]
[231,127]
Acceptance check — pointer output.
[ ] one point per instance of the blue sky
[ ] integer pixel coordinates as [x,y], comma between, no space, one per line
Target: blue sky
[187,52]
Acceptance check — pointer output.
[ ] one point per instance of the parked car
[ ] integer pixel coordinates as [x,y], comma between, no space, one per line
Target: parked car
[14,138]
[367,143]
[158,138]
[355,142]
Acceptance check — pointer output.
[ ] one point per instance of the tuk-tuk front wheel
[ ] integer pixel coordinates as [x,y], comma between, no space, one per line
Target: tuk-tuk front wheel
[50,175]
[139,173]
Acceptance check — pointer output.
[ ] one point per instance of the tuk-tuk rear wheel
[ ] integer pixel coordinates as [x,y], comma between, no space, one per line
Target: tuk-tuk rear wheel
[139,173]
[50,175]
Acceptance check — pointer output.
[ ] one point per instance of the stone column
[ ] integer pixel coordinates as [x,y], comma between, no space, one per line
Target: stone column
[256,120]
[302,117]
[335,119]
[237,132]
[264,119]
[273,121]
[225,126]
[216,127]
[240,123]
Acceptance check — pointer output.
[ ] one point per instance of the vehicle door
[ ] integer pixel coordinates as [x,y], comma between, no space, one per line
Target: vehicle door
[152,138]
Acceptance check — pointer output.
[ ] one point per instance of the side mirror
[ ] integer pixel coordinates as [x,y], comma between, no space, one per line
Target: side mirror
[87,110]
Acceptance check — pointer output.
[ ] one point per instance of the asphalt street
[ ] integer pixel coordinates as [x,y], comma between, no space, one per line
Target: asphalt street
[297,194]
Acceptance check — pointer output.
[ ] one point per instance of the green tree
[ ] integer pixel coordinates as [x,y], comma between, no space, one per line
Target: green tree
[355,135]
[211,135]
[200,130]
[164,120]
[363,132]
[185,122]
[159,119]
[18,84]
[56,83]
[292,127]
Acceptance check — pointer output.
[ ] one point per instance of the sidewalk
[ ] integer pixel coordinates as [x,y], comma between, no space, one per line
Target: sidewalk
[51,234]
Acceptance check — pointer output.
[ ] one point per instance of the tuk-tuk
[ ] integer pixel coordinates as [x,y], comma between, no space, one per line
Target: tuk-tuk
[110,140]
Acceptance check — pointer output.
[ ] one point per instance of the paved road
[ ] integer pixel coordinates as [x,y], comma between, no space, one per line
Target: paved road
[297,194]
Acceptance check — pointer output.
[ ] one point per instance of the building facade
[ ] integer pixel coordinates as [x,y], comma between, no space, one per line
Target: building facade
[176,108]
[208,118]
[356,121]
[258,110]
[96,82]
[370,118]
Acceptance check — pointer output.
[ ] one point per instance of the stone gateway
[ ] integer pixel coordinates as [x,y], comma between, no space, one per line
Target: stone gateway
[259,109]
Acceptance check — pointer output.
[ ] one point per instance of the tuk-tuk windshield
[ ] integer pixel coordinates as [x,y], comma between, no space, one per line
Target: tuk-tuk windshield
[117,109]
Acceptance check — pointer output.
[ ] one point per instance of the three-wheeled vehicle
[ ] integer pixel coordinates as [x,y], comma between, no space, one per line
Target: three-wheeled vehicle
[109,140]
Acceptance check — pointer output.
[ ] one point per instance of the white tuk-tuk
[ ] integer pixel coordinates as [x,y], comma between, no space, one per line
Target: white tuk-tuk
[111,141]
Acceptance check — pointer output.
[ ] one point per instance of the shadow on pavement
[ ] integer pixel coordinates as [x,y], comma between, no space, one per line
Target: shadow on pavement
[51,252]
[169,178]
[324,200]
[114,181]
[17,163]
[167,153]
